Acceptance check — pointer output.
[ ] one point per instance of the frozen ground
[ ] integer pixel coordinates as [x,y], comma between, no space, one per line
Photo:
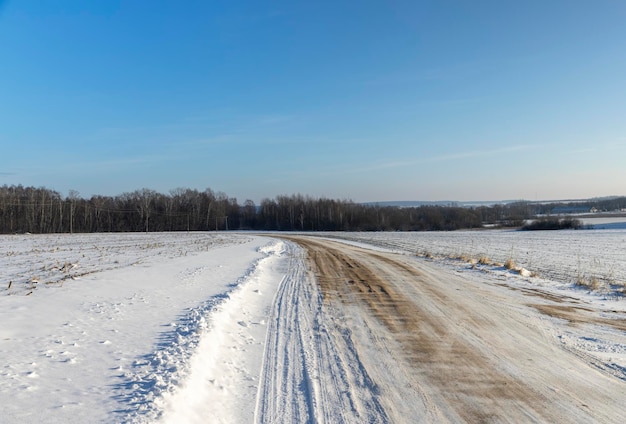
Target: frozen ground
[558,258]
[233,328]
[424,342]
[116,335]
[551,262]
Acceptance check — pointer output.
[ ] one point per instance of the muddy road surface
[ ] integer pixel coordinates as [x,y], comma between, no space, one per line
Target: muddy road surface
[439,348]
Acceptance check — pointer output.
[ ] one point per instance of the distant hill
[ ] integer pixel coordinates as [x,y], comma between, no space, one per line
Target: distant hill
[478,203]
[452,203]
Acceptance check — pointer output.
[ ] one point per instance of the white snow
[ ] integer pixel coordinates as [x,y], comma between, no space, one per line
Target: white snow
[118,344]
[560,258]
[229,353]
[231,328]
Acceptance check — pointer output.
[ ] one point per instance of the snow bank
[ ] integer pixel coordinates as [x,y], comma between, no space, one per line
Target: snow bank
[222,376]
[106,346]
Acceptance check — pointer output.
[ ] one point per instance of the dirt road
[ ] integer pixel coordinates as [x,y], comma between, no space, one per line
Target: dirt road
[439,348]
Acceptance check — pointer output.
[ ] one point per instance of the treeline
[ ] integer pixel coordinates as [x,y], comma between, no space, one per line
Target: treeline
[41,210]
[303,213]
[610,204]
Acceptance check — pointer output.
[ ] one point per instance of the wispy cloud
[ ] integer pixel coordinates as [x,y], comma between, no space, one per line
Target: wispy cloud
[592,147]
[274,119]
[481,153]
[583,150]
[440,158]
[447,73]
[210,127]
[79,166]
[390,165]
[425,77]
[208,141]
[620,144]
[453,102]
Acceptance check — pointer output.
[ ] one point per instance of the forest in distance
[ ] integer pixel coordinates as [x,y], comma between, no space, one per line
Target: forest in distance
[41,210]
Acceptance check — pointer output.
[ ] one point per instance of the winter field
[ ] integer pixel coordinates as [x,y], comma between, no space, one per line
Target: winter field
[578,259]
[233,328]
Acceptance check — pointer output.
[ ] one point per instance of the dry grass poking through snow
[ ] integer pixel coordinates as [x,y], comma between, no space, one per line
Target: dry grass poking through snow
[559,256]
[591,283]
[485,261]
[510,264]
[35,261]
[465,258]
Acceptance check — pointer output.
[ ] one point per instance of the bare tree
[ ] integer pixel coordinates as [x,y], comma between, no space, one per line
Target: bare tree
[73,196]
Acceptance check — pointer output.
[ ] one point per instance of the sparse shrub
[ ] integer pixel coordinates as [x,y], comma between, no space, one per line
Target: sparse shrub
[459,257]
[592,283]
[595,283]
[553,224]
[484,260]
[510,264]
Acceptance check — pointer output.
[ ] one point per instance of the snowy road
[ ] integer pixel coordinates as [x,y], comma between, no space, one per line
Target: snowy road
[238,328]
[385,338]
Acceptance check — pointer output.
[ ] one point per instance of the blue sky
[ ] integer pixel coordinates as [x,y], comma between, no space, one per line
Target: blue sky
[366,100]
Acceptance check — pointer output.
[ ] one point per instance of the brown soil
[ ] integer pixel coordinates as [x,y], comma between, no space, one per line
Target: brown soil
[470,382]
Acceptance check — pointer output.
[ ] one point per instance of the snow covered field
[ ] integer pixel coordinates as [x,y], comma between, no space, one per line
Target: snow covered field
[558,258]
[114,327]
[231,328]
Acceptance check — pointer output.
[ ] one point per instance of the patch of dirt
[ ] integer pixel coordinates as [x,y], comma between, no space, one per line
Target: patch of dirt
[470,382]
[578,315]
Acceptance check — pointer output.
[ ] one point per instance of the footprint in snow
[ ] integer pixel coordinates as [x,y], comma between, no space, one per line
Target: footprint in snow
[243,323]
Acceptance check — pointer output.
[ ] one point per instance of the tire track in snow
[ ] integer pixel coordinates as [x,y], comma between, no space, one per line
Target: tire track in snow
[311,372]
[287,391]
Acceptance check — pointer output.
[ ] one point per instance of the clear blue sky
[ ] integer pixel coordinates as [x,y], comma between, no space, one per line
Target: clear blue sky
[367,100]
